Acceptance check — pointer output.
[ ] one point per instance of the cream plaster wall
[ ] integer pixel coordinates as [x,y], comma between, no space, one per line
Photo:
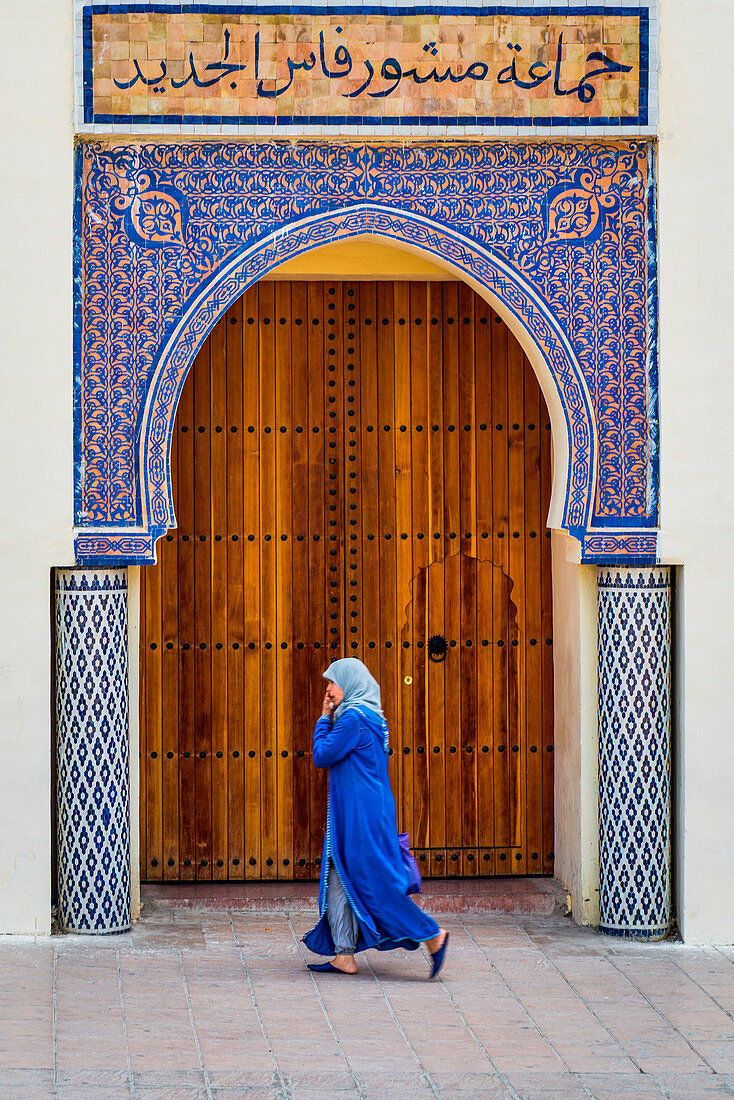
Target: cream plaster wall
[360,259]
[576,742]
[36,419]
[696,223]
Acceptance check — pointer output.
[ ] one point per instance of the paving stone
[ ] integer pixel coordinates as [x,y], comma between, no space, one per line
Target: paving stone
[93,1092]
[378,1084]
[27,1078]
[170,1094]
[695,1086]
[338,1080]
[247,1094]
[456,1086]
[526,1007]
[27,1092]
[621,1086]
[168,1079]
[93,1079]
[243,1079]
[321,1094]
[547,1086]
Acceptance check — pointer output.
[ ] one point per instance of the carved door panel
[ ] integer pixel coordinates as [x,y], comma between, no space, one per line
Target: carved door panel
[358,469]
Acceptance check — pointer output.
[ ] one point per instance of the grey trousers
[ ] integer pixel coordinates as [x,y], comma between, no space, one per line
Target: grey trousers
[339,913]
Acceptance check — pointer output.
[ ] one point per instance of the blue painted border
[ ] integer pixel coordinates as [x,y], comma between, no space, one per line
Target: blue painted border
[638,522]
[641,119]
[623,561]
[77,314]
[632,932]
[653,409]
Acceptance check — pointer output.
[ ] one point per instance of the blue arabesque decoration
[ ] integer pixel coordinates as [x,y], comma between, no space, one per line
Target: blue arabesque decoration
[169,233]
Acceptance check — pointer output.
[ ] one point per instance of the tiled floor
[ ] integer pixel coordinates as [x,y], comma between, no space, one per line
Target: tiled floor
[205,1003]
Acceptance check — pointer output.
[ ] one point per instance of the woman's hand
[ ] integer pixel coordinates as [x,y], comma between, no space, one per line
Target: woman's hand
[332,699]
[327,706]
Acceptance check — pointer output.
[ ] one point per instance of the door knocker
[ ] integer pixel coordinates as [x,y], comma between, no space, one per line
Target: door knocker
[437,647]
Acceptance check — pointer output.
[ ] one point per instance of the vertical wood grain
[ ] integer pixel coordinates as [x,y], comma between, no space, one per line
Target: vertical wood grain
[374,468]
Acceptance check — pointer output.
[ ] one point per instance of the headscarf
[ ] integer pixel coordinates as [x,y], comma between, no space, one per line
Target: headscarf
[357,683]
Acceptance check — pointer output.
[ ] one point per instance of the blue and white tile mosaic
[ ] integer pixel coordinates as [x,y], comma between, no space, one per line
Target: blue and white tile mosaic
[93,790]
[634,752]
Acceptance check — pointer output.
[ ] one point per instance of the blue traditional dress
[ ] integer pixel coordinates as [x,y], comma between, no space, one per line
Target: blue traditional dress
[361,841]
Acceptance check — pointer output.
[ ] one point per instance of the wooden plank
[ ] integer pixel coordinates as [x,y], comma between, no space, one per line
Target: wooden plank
[547,650]
[218,582]
[452,564]
[387,529]
[486,750]
[420,432]
[354,589]
[153,723]
[534,527]
[516,554]
[250,537]
[185,426]
[233,553]
[203,613]
[168,569]
[469,866]
[436,670]
[268,584]
[318,556]
[369,482]
[503,832]
[284,582]
[302,714]
[338,466]
[404,741]
[466,433]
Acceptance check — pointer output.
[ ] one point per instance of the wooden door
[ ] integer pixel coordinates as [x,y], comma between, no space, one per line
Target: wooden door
[359,469]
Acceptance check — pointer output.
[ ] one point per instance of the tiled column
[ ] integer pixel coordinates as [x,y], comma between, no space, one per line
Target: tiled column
[92,787]
[634,751]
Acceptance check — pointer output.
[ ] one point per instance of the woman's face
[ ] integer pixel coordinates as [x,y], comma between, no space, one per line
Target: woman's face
[334,693]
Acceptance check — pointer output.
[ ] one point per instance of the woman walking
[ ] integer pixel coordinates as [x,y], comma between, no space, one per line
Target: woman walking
[363,899]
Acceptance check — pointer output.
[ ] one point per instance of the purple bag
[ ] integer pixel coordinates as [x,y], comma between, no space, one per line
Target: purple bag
[414,875]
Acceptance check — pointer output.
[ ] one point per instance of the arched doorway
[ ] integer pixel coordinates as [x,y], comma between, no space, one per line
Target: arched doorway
[358,468]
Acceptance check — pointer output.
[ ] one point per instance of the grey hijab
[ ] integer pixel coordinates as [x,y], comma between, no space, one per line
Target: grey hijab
[357,683]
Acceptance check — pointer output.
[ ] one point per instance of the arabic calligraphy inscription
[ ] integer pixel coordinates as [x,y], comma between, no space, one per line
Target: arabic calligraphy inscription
[483,68]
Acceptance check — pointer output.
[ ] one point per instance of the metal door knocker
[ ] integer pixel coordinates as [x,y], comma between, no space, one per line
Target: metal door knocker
[437,647]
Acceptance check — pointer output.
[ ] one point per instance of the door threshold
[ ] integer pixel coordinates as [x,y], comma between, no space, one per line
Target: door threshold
[536,895]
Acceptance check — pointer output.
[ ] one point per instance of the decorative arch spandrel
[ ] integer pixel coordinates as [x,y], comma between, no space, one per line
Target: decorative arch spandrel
[168,234]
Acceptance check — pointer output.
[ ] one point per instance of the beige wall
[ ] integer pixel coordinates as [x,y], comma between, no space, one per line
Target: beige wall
[696,220]
[36,416]
[576,732]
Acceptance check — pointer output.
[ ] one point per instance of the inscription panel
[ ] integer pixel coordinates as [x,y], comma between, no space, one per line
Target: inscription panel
[488,66]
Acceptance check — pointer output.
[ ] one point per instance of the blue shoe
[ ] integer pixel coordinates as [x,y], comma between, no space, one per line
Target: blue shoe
[327,968]
[439,957]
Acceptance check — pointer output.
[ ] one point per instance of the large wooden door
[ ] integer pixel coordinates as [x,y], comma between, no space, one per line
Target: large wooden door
[359,469]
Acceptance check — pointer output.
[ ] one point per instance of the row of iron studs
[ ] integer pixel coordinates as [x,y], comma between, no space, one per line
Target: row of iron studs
[420,856]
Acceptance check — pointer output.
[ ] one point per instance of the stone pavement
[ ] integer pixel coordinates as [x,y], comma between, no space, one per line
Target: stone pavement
[203,1003]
